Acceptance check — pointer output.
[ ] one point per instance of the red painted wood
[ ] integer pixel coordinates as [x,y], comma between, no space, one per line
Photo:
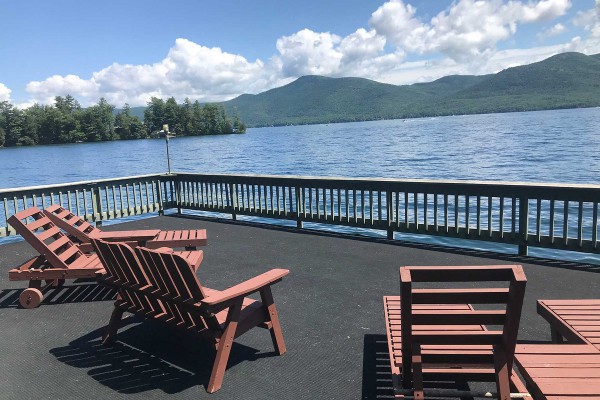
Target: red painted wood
[162,285]
[449,339]
[78,228]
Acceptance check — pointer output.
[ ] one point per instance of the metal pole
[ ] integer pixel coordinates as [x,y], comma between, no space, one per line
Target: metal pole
[168,157]
[166,131]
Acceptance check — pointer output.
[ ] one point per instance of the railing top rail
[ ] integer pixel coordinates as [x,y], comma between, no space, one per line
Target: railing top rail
[79,183]
[402,181]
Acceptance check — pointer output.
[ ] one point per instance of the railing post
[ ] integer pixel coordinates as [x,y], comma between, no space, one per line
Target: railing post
[96,205]
[523,225]
[390,214]
[233,200]
[299,223]
[161,205]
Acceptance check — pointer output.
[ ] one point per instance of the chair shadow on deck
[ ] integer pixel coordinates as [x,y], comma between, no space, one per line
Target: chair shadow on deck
[377,377]
[82,291]
[166,360]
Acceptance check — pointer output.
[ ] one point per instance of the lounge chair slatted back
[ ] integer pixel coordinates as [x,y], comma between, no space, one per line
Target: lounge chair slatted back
[41,233]
[83,232]
[80,228]
[162,285]
[427,328]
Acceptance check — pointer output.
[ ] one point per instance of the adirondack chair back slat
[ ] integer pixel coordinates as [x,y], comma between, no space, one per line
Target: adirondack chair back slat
[43,235]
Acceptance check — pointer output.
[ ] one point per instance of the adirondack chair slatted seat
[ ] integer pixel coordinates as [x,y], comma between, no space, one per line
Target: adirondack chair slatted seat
[445,335]
[576,321]
[160,285]
[59,258]
[82,231]
[560,371]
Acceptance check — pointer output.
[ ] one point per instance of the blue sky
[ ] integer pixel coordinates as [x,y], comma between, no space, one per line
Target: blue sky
[128,51]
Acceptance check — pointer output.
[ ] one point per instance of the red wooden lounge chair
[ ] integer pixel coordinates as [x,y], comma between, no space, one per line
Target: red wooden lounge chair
[161,285]
[438,335]
[560,371]
[82,231]
[59,257]
[577,321]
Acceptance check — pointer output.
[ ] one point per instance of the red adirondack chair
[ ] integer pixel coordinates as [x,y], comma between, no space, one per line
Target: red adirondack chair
[161,285]
[437,334]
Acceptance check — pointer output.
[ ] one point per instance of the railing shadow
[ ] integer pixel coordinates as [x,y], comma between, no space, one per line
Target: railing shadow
[166,360]
[81,291]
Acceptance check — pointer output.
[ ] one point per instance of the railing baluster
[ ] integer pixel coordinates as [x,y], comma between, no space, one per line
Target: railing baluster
[580,224]
[566,222]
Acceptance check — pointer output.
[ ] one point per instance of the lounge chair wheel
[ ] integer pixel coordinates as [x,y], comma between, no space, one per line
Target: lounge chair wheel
[31,297]
[55,283]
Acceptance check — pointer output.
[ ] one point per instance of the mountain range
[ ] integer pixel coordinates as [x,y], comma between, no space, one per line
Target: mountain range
[567,80]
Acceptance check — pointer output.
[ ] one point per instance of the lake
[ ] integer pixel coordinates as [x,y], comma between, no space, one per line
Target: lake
[542,146]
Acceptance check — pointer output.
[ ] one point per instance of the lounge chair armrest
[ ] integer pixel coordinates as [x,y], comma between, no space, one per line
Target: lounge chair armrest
[139,235]
[222,298]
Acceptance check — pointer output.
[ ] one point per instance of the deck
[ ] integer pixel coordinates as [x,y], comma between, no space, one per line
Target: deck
[330,308]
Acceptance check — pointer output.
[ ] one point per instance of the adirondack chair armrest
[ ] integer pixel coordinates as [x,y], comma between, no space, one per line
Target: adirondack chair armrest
[225,297]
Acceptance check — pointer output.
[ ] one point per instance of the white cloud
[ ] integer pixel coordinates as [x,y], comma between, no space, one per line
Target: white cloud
[308,53]
[189,70]
[467,31]
[554,30]
[590,21]
[4,93]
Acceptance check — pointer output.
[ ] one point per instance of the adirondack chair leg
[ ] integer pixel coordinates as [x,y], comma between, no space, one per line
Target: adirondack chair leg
[113,326]
[224,347]
[417,364]
[276,335]
[502,373]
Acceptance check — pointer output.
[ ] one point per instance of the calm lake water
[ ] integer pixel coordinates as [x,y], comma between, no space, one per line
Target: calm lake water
[542,146]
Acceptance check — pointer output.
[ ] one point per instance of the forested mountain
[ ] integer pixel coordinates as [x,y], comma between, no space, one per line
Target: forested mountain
[567,80]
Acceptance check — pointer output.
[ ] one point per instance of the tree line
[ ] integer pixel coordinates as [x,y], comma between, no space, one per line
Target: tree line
[67,122]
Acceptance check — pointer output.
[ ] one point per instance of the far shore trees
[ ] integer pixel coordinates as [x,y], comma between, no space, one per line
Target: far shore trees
[67,122]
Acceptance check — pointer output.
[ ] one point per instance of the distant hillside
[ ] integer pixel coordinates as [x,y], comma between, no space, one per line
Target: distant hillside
[567,80]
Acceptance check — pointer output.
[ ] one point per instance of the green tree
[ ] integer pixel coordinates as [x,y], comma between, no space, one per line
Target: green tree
[185,117]
[98,122]
[198,125]
[11,121]
[171,115]
[154,115]
[128,126]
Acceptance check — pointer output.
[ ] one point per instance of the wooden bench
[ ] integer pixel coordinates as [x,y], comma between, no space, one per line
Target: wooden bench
[576,321]
[560,372]
[436,335]
[161,285]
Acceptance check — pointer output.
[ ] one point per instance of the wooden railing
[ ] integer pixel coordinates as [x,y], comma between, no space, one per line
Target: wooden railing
[555,216]
[95,201]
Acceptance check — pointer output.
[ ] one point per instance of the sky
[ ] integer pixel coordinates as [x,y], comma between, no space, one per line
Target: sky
[128,51]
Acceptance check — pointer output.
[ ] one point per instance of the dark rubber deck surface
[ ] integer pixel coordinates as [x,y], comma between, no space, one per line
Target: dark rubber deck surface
[330,308]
